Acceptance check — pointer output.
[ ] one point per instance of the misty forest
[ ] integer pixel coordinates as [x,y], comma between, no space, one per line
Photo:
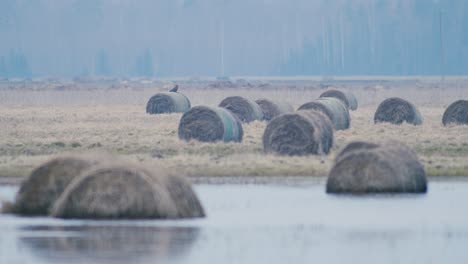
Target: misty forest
[165,38]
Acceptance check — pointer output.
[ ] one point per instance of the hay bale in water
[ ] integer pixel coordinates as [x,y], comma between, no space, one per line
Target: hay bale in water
[46,183]
[210,124]
[272,108]
[301,133]
[167,102]
[456,113]
[348,99]
[333,108]
[246,110]
[127,192]
[384,168]
[396,111]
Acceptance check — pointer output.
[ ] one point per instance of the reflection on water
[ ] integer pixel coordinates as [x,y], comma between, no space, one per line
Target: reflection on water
[108,244]
[259,223]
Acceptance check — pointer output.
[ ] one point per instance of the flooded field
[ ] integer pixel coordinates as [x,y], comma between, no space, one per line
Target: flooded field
[276,221]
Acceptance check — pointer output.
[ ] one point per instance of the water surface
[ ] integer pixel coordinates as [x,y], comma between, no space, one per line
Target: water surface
[260,223]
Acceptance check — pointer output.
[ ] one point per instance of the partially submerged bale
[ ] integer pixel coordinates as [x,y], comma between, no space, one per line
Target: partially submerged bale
[272,108]
[396,111]
[127,192]
[210,124]
[167,102]
[456,113]
[348,98]
[301,133]
[46,183]
[384,168]
[246,110]
[333,108]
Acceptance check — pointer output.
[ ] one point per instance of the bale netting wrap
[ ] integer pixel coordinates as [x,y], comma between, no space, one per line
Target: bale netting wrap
[125,191]
[272,108]
[304,132]
[46,183]
[348,98]
[456,113]
[396,111]
[386,168]
[210,124]
[167,102]
[353,146]
[333,108]
[246,110]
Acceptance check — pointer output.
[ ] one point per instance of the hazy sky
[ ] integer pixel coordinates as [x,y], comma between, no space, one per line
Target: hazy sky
[238,37]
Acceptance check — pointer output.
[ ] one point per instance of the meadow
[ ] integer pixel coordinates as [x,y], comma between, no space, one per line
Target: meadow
[42,119]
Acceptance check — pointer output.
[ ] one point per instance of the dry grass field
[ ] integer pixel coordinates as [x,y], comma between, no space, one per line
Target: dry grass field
[39,121]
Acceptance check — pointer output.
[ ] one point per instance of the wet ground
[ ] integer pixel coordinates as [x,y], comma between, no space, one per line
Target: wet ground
[290,221]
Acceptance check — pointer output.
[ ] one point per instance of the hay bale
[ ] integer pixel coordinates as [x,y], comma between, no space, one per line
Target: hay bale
[348,99]
[456,113]
[272,108]
[210,124]
[396,111]
[333,108]
[126,191]
[167,102]
[301,133]
[384,168]
[46,183]
[246,110]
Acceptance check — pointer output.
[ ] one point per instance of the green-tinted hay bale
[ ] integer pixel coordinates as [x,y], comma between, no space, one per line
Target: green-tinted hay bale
[126,191]
[396,111]
[386,168]
[246,110]
[333,108]
[167,102]
[348,98]
[46,183]
[272,108]
[304,132]
[456,113]
[210,124]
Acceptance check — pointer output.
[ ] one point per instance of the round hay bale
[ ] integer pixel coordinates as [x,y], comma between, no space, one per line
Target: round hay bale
[126,192]
[386,168]
[456,113]
[396,111]
[348,99]
[272,108]
[246,110]
[333,108]
[210,124]
[300,133]
[46,183]
[167,102]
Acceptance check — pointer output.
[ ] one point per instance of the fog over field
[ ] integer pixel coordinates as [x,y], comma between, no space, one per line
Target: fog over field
[70,38]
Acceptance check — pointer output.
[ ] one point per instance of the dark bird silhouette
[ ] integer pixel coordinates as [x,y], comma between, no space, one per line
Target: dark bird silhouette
[174,89]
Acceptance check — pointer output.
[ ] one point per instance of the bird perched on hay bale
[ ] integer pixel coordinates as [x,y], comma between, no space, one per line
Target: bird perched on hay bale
[348,99]
[46,183]
[168,102]
[304,132]
[456,113]
[124,191]
[246,110]
[377,168]
[272,108]
[210,124]
[333,108]
[396,111]
[175,89]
